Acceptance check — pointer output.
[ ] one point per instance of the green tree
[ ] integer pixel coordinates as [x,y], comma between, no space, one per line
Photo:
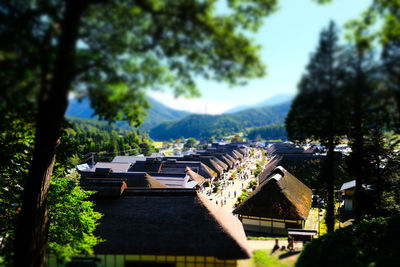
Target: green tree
[72,219]
[111,51]
[317,112]
[191,142]
[236,139]
[212,139]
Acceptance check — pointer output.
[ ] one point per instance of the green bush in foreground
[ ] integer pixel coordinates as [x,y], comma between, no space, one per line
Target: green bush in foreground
[370,243]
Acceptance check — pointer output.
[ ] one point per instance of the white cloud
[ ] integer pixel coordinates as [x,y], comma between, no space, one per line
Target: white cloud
[195,105]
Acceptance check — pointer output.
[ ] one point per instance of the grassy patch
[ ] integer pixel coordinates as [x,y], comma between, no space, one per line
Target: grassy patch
[278,258]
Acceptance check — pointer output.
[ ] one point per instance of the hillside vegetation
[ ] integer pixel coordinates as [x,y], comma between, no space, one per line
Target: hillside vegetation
[157,114]
[268,132]
[205,126]
[106,140]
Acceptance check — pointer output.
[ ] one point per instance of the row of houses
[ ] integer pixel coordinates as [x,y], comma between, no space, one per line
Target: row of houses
[189,171]
[154,214]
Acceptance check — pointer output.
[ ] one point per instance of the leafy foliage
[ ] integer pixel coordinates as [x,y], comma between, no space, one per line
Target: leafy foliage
[370,243]
[190,142]
[72,220]
[107,140]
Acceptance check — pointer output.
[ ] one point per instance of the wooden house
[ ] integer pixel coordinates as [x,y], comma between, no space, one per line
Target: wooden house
[165,227]
[278,203]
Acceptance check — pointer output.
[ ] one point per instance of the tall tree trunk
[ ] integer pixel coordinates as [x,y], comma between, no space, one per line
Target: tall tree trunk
[31,235]
[358,142]
[330,172]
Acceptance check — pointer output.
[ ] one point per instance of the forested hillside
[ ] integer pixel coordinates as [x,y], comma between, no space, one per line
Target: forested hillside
[157,114]
[268,132]
[106,140]
[205,126]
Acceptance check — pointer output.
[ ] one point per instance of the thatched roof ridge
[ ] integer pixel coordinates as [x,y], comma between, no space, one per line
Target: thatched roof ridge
[195,177]
[226,160]
[269,168]
[230,158]
[213,165]
[281,196]
[161,223]
[221,165]
[144,181]
[106,187]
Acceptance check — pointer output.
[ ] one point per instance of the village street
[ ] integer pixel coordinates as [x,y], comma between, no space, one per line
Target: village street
[232,189]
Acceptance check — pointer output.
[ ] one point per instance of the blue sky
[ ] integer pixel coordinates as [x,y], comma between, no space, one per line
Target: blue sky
[288,37]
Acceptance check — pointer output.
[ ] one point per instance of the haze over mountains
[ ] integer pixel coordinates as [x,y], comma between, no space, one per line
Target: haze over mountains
[164,123]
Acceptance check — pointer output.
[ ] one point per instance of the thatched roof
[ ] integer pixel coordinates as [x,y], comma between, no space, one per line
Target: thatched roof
[300,165]
[269,167]
[144,180]
[135,179]
[169,222]
[106,187]
[131,179]
[213,165]
[194,163]
[282,196]
[284,148]
[220,163]
[225,159]
[231,158]
[195,177]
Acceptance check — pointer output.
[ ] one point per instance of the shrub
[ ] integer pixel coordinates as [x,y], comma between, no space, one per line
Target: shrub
[369,243]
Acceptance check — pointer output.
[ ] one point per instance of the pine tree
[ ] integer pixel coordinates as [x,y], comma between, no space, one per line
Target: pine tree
[317,112]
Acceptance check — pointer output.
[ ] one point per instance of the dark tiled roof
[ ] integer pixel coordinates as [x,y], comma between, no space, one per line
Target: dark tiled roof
[169,224]
[114,166]
[150,165]
[281,196]
[173,180]
[131,159]
[195,166]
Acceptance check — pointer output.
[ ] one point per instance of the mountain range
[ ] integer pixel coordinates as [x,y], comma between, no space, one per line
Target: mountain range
[157,114]
[163,123]
[204,126]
